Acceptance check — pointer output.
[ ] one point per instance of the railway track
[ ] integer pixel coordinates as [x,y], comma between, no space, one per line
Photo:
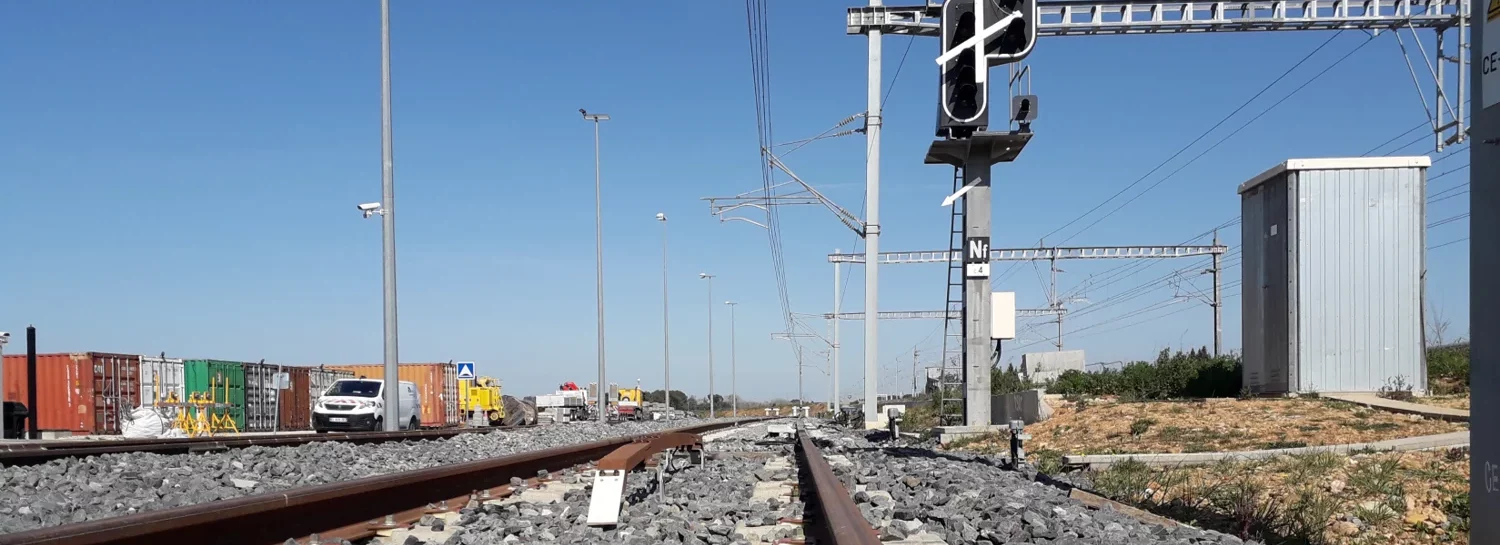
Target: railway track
[23,454]
[391,504]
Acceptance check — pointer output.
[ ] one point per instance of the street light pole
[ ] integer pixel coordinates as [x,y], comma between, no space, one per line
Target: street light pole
[666,343]
[598,254]
[710,279]
[392,416]
[734,392]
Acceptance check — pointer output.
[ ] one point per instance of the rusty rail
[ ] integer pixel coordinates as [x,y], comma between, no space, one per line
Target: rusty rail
[835,518]
[45,451]
[276,516]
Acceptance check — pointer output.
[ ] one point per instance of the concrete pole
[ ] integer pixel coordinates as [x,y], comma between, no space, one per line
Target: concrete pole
[835,348]
[1484,293]
[977,347]
[599,269]
[2,388]
[666,339]
[710,279]
[872,230]
[392,396]
[734,392]
[1218,303]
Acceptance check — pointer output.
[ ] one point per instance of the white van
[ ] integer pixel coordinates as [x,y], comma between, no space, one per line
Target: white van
[358,404]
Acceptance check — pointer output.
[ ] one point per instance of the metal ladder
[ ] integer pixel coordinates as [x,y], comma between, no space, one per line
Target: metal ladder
[951,381]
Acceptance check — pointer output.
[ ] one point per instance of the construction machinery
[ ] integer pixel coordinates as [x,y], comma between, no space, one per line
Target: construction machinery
[630,405]
[480,402]
[565,405]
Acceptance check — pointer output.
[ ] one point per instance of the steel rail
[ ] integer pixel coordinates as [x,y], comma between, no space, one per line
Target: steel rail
[45,451]
[836,520]
[273,517]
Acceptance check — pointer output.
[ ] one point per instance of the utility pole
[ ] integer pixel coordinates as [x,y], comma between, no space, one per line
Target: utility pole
[1057,303]
[598,254]
[734,392]
[1218,302]
[835,345]
[1484,295]
[872,227]
[914,373]
[666,342]
[710,279]
[392,417]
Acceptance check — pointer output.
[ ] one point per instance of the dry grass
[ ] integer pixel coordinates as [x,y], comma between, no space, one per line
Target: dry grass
[1320,499]
[1460,402]
[1109,427]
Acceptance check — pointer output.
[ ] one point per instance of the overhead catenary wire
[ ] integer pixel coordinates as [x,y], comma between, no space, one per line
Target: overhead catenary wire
[1205,134]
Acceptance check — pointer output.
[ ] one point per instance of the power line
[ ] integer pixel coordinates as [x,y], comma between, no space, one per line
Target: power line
[1449,243]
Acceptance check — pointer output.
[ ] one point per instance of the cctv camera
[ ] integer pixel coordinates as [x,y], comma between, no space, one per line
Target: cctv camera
[369,207]
[4,337]
[661,216]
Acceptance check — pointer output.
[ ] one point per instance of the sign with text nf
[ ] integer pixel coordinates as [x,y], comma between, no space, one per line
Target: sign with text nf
[465,370]
[977,256]
[1489,62]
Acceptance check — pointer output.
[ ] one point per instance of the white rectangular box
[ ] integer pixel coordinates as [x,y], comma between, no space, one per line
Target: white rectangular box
[1003,315]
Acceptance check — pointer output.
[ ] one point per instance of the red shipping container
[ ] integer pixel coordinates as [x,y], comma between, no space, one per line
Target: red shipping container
[81,393]
[296,402]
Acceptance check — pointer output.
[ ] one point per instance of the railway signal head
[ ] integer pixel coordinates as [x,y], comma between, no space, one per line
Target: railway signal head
[964,92]
[1015,41]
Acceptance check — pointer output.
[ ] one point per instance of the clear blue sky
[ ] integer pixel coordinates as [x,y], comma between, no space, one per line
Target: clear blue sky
[180,177]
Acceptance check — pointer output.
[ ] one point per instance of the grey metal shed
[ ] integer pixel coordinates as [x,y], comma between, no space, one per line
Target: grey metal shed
[1334,254]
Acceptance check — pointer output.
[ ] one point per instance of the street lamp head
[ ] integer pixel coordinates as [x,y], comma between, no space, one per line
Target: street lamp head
[730,303]
[661,217]
[593,117]
[705,275]
[4,337]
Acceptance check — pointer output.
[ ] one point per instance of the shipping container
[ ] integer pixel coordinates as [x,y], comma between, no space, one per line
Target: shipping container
[1334,251]
[437,384]
[79,393]
[262,398]
[295,405]
[221,382]
[162,384]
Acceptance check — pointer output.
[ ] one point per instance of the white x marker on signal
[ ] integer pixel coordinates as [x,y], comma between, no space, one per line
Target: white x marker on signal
[981,35]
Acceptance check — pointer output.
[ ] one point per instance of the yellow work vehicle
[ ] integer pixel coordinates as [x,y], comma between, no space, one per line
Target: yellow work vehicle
[480,402]
[629,404]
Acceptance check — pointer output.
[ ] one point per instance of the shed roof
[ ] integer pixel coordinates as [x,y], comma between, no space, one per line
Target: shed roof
[1338,163]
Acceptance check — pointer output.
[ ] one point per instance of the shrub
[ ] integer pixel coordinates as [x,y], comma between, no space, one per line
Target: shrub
[1448,368]
[1192,374]
[1008,381]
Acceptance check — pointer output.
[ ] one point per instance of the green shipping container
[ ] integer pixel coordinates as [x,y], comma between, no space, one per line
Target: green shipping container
[208,378]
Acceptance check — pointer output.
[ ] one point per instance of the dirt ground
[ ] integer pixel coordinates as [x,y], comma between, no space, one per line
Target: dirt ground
[1110,427]
[1406,498]
[1451,402]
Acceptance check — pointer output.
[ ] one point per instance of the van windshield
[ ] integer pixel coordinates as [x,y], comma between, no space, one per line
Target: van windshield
[355,388]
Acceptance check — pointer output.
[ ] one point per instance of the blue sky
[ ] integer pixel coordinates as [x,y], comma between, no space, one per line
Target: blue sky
[180,176]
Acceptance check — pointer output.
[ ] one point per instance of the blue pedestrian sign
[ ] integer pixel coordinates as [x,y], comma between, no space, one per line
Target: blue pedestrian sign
[466,370]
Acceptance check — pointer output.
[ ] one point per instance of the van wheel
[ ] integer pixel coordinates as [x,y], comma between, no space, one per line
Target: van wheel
[414,423]
[378,425]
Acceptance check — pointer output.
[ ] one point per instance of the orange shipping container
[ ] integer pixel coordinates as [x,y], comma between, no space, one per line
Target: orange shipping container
[437,384]
[81,393]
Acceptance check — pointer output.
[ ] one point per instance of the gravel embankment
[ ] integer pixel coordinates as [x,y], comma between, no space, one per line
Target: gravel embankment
[709,503]
[971,499]
[75,490]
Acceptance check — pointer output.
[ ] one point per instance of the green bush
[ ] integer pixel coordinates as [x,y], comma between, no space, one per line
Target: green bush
[1008,381]
[1447,367]
[1192,374]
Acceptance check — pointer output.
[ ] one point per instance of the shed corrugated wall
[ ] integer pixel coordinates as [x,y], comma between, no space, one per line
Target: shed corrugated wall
[1360,251]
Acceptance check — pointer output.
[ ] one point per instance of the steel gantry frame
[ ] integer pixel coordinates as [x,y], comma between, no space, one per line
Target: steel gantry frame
[1089,18]
[952,375]
[1092,18]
